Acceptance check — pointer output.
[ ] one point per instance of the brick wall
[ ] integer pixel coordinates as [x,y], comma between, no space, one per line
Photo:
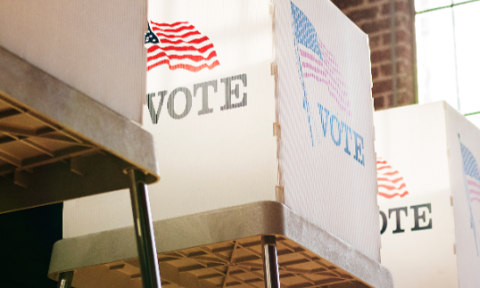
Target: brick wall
[373,17]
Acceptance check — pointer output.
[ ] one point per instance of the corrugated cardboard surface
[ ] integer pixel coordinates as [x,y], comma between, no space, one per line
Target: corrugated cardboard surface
[93,46]
[221,159]
[413,142]
[466,209]
[323,181]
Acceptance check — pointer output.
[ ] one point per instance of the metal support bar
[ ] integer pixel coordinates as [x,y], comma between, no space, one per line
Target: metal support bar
[142,217]
[270,262]
[65,279]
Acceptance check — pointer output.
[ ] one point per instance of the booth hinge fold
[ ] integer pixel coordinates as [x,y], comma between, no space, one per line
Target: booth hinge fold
[274,73]
[280,194]
[274,69]
[451,201]
[277,131]
[454,250]
[272,9]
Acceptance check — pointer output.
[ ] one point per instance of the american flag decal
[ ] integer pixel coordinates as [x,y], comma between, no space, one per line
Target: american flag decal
[316,61]
[472,176]
[180,46]
[472,187]
[390,182]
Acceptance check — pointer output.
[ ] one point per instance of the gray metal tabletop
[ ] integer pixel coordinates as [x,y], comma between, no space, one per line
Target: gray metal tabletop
[56,143]
[221,248]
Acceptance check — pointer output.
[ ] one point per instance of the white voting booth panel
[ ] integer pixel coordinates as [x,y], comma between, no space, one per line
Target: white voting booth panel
[250,101]
[429,196]
[94,46]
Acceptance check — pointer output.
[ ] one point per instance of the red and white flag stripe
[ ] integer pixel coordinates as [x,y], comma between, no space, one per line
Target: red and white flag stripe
[181,46]
[325,71]
[473,189]
[390,182]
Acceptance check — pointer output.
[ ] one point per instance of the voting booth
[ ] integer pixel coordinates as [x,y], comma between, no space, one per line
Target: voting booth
[257,106]
[71,83]
[428,181]
[251,101]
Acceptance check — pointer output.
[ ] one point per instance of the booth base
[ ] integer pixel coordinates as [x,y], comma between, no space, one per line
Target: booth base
[221,248]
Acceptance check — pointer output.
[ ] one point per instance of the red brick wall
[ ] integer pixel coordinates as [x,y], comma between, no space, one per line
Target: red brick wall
[373,17]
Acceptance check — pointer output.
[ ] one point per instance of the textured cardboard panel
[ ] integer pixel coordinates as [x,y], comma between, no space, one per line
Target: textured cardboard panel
[328,171]
[95,47]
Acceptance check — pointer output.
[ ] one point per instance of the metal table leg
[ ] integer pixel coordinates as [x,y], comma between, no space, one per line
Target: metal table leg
[270,262]
[65,279]
[147,252]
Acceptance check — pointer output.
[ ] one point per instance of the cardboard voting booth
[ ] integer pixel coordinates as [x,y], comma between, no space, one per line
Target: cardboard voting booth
[429,190]
[255,101]
[71,80]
